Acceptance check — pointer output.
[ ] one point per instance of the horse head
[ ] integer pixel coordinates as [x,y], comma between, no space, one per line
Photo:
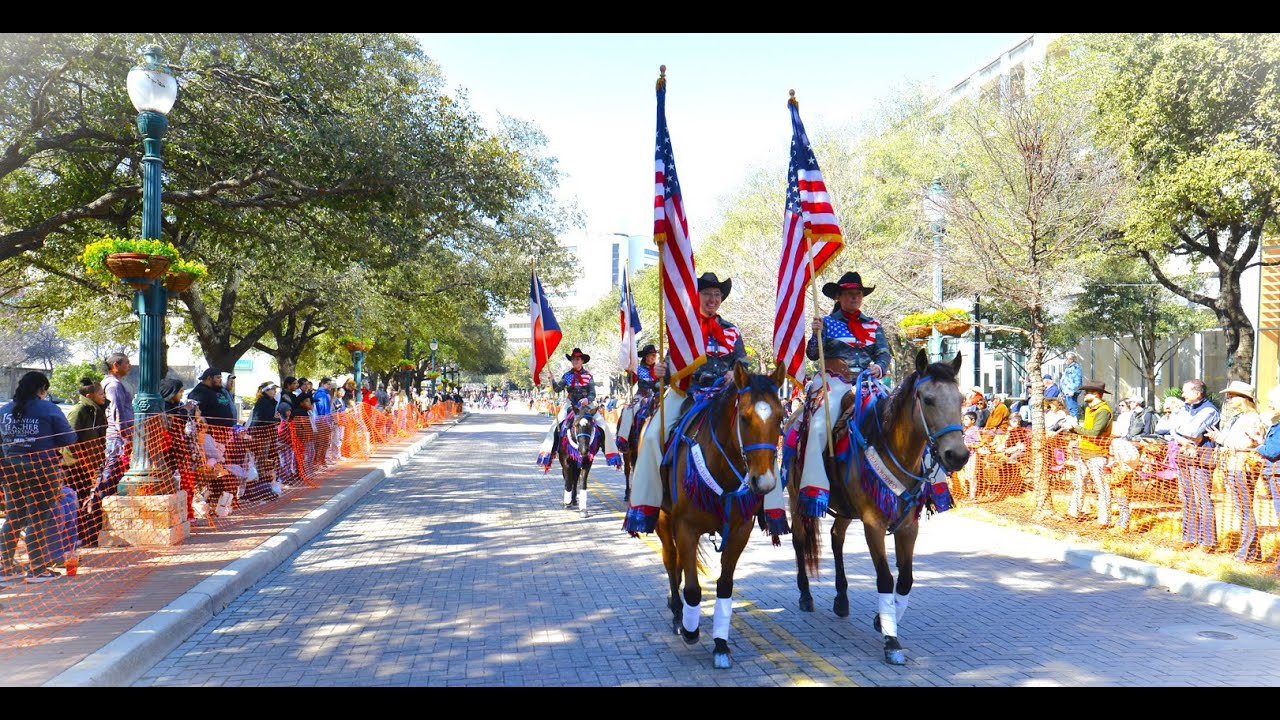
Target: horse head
[583,427]
[758,425]
[938,393]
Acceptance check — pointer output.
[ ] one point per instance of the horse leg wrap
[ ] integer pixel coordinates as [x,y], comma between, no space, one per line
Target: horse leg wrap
[568,497]
[692,614]
[582,500]
[888,615]
[720,619]
[900,605]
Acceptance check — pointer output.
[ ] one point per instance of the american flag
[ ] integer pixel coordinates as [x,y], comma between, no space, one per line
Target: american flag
[808,225]
[629,319]
[544,328]
[687,346]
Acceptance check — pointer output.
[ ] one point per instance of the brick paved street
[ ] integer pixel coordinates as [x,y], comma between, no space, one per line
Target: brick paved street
[464,570]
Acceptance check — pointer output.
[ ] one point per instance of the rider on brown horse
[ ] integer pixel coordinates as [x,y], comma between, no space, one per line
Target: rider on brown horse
[641,406]
[852,341]
[580,387]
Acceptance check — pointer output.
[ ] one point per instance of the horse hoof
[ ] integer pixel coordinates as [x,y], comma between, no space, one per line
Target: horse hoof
[806,603]
[675,626]
[875,622]
[841,606]
[721,661]
[895,657]
[583,515]
[690,638]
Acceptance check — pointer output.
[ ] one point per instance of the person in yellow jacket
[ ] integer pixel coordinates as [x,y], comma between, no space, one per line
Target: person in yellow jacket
[1095,443]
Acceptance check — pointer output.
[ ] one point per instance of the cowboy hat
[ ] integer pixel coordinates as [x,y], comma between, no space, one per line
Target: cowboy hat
[1094,386]
[709,280]
[1238,387]
[646,350]
[847,281]
[578,354]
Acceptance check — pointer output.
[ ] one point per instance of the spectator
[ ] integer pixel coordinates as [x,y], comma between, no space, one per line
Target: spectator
[285,397]
[1095,430]
[1051,390]
[1270,451]
[1195,454]
[215,402]
[223,477]
[1072,377]
[982,412]
[304,385]
[323,420]
[972,401]
[237,405]
[1170,408]
[1017,440]
[264,421]
[1056,419]
[304,429]
[119,445]
[177,448]
[84,460]
[31,430]
[1142,420]
[1242,431]
[999,416]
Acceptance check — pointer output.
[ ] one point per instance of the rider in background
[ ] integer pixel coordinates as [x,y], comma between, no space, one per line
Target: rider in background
[641,405]
[580,387]
[852,341]
[725,348]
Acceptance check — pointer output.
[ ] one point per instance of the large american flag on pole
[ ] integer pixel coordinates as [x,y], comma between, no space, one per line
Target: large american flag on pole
[629,319]
[543,326]
[808,225]
[686,345]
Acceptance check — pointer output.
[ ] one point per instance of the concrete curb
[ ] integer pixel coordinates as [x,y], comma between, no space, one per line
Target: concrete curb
[1252,604]
[129,656]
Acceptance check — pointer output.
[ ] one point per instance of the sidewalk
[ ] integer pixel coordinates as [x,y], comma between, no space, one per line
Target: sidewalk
[252,544]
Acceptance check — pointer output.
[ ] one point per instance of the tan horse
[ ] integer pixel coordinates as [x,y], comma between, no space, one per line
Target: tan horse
[735,439]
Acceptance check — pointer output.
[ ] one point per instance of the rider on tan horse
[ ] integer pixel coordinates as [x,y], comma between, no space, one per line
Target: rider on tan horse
[725,350]
[645,389]
[852,341]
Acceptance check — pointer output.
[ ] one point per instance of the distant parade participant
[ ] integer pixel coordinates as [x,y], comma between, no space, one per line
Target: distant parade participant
[580,387]
[641,406]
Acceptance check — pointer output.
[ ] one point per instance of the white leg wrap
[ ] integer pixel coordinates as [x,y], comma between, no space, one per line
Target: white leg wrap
[888,615]
[720,619]
[568,497]
[692,614]
[900,603]
[582,500]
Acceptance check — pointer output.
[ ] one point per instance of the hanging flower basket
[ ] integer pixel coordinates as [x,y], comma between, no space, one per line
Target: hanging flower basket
[355,344]
[136,268]
[917,332]
[176,282]
[432,375]
[954,328]
[407,366]
[129,259]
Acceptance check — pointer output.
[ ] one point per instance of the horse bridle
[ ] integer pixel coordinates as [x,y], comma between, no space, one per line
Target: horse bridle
[931,442]
[743,449]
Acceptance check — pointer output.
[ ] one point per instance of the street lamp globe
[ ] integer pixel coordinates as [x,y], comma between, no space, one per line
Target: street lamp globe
[151,87]
[434,346]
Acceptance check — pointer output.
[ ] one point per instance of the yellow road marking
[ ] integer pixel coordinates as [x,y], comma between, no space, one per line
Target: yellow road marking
[766,649]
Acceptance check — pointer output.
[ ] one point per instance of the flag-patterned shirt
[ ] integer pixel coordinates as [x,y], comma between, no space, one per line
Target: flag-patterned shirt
[720,358]
[578,384]
[647,383]
[858,343]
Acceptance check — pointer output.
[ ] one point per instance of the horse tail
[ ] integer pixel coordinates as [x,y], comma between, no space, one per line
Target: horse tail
[811,548]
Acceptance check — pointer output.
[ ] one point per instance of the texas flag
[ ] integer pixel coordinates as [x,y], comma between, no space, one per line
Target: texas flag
[629,319]
[543,325]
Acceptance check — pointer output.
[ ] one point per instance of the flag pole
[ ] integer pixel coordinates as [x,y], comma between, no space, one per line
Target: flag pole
[662,315]
[817,312]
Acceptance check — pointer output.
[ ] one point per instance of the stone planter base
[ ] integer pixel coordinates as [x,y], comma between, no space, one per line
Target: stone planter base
[133,520]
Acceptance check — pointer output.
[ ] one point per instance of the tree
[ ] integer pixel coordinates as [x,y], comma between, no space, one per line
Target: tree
[1024,215]
[65,380]
[44,343]
[1196,119]
[1122,302]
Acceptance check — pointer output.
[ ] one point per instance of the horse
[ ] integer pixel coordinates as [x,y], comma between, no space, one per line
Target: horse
[923,412]
[637,413]
[576,449]
[718,466]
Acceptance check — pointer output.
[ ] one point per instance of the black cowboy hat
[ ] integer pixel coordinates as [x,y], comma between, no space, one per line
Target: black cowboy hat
[579,354]
[646,350]
[1094,386]
[709,280]
[847,281]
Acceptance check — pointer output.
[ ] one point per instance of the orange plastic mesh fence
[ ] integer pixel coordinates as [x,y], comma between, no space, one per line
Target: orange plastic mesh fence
[1221,500]
[204,479]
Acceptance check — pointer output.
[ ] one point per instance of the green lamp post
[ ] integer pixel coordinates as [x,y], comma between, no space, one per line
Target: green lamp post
[153,91]
[934,211]
[434,346]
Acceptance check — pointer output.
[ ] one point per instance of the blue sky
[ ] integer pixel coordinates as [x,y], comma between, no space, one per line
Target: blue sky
[593,96]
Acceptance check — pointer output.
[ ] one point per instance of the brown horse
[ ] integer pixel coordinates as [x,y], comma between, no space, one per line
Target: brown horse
[735,440]
[922,412]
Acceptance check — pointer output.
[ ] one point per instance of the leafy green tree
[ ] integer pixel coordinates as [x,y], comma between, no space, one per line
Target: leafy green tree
[1121,302]
[65,380]
[1196,118]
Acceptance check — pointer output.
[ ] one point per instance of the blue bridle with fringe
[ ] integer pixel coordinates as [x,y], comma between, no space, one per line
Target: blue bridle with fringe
[701,402]
[928,466]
